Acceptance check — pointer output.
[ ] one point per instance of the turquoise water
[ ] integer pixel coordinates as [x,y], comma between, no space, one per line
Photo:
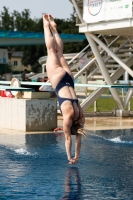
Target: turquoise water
[36,167]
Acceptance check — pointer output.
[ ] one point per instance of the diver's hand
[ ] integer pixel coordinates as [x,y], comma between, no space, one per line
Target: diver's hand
[73,161]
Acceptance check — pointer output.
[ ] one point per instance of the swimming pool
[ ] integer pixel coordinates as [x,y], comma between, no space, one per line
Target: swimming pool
[34,167]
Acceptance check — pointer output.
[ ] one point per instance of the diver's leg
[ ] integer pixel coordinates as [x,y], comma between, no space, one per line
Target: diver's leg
[52,59]
[59,43]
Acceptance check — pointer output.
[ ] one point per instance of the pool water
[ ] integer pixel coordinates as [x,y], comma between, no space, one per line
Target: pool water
[37,168]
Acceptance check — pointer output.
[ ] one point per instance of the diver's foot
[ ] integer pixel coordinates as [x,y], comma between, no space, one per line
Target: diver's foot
[52,22]
[45,20]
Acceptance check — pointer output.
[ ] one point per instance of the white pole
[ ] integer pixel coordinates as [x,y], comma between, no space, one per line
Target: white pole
[43,67]
[127,98]
[95,107]
[77,10]
[129,106]
[126,76]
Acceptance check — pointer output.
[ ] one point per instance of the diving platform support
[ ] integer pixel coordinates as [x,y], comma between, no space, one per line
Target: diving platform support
[29,115]
[116,27]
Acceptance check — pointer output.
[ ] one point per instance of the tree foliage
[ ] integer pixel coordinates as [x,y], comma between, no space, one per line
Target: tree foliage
[5,68]
[17,21]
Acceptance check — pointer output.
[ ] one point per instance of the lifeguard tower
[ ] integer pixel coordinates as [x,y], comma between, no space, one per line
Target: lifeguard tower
[108,26]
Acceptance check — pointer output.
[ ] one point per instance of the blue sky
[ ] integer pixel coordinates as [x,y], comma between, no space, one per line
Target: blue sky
[58,8]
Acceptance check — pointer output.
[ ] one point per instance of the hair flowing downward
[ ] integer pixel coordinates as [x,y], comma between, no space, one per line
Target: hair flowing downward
[77,128]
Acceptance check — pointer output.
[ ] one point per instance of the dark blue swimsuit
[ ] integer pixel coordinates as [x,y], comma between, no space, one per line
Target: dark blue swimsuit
[66,81]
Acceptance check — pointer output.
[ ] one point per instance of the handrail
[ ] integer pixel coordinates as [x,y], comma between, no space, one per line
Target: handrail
[78,54]
[93,60]
[81,52]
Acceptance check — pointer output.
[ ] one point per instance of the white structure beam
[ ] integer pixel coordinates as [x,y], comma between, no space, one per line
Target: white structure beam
[104,69]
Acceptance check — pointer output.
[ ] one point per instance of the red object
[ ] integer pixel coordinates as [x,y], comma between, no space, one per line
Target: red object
[6,94]
[58,129]
[3,93]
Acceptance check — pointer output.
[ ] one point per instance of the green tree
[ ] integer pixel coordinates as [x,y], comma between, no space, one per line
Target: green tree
[31,56]
[31,53]
[7,21]
[22,21]
[4,68]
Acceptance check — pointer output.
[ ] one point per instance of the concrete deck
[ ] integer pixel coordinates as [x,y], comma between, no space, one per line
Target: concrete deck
[92,123]
[105,122]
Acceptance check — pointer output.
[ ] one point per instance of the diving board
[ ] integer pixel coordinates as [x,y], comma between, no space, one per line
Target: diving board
[103,86]
[76,84]
[11,88]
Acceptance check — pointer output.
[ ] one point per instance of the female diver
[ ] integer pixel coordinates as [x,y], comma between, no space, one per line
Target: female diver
[61,79]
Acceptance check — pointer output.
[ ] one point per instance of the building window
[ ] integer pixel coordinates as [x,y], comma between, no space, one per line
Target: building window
[15,63]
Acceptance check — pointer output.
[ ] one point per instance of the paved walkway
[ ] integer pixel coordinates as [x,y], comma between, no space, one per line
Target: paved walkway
[91,123]
[105,122]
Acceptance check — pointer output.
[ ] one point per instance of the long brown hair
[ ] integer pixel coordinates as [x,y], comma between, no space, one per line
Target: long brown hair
[77,128]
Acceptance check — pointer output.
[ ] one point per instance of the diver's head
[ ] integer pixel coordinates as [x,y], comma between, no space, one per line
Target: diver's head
[77,128]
